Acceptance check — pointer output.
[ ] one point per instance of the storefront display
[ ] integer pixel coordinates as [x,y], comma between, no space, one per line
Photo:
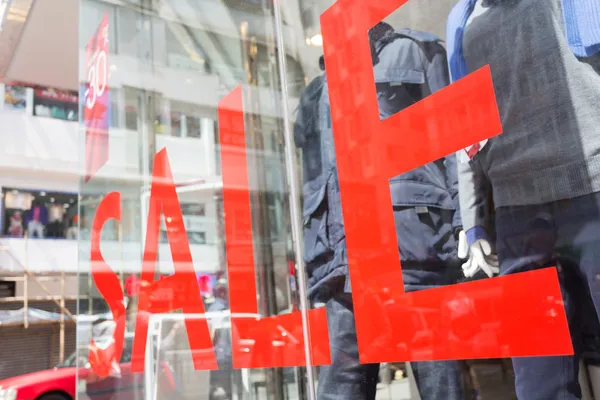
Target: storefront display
[53,103]
[406,205]
[15,97]
[40,214]
[538,210]
[425,206]
[15,205]
[186,121]
[8,289]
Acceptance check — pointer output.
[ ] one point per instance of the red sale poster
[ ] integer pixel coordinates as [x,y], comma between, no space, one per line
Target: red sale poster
[96,101]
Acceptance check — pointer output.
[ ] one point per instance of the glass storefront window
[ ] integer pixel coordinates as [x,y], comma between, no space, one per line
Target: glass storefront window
[300,199]
[304,199]
[15,97]
[57,104]
[162,112]
[327,199]
[187,122]
[39,214]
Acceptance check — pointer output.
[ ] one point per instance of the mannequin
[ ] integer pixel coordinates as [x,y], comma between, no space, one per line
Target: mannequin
[55,227]
[427,233]
[544,170]
[15,225]
[37,219]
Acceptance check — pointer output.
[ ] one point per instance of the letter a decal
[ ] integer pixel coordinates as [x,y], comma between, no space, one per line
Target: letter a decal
[182,285]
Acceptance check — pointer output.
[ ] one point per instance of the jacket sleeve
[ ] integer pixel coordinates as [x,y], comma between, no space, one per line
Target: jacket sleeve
[436,69]
[452,186]
[473,193]
[436,72]
[300,125]
[306,111]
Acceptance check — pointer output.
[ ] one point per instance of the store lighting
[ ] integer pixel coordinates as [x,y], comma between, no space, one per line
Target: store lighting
[42,194]
[66,205]
[317,40]
[51,199]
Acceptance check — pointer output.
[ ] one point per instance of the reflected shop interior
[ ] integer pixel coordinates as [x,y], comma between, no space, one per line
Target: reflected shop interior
[300,200]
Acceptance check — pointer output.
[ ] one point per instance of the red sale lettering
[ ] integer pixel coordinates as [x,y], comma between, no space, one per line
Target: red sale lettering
[500,317]
[177,291]
[109,286]
[182,285]
[257,342]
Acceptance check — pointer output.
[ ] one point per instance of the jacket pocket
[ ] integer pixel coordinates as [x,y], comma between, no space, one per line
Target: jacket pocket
[324,235]
[396,76]
[398,88]
[316,241]
[421,187]
[425,234]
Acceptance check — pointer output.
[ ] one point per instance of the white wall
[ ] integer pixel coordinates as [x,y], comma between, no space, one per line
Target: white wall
[51,256]
[192,87]
[43,153]
[34,149]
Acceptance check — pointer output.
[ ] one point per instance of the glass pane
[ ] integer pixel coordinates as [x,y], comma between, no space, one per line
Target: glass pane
[301,199]
[190,274]
[324,199]
[449,200]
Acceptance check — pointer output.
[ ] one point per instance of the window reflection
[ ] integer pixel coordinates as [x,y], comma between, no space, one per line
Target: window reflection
[39,214]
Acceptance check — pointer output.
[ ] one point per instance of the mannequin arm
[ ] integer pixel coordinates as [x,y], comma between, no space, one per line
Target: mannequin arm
[473,191]
[474,243]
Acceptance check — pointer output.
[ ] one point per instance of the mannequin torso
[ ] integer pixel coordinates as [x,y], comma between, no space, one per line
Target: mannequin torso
[548,102]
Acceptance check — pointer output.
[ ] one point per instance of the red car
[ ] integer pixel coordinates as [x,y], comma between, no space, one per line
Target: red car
[61,383]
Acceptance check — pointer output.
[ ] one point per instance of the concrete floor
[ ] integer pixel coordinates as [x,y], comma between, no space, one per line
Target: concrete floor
[397,390]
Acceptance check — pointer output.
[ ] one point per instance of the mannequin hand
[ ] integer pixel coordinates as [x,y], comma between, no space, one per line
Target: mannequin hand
[480,257]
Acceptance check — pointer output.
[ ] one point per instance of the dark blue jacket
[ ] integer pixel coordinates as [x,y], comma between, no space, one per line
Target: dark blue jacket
[409,65]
